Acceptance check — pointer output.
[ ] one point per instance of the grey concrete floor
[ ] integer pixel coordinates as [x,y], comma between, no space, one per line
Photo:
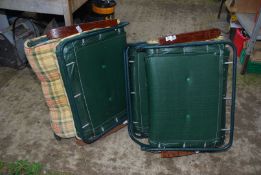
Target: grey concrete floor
[24,120]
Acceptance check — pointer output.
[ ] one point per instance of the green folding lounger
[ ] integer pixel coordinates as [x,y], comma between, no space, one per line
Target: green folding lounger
[177,96]
[82,78]
[92,67]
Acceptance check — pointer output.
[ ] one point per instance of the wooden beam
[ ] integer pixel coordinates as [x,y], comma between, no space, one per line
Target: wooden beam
[58,7]
[67,12]
[39,6]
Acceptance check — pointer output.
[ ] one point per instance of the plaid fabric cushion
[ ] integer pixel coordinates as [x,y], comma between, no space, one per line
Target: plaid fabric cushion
[54,94]
[41,55]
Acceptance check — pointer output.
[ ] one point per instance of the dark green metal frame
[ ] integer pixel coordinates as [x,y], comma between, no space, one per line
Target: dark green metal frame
[61,62]
[147,147]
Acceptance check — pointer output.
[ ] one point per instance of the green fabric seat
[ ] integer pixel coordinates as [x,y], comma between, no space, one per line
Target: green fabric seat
[92,68]
[177,95]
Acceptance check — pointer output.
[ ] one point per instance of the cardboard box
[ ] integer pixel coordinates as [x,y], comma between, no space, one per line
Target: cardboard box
[243,6]
[256,55]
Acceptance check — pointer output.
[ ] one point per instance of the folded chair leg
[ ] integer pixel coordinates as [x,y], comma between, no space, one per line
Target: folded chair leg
[58,138]
[172,154]
[82,143]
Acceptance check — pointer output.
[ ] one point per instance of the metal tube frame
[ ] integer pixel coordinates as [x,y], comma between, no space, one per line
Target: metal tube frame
[61,62]
[149,148]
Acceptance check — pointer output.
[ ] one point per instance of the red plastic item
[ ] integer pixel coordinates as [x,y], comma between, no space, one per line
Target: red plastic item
[239,41]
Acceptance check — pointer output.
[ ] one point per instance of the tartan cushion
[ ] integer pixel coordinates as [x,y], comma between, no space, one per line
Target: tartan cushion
[41,55]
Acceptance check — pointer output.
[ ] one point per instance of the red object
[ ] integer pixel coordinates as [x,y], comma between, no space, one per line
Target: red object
[239,41]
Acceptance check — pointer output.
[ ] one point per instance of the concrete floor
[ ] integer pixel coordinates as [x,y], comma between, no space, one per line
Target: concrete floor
[24,120]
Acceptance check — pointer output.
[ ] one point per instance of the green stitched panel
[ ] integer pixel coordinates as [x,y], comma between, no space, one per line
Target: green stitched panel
[184,90]
[94,81]
[185,98]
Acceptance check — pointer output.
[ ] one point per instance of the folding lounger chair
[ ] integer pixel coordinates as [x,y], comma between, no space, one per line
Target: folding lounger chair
[82,77]
[178,96]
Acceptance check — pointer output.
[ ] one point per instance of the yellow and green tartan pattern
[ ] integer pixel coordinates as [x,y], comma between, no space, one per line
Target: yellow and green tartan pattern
[41,54]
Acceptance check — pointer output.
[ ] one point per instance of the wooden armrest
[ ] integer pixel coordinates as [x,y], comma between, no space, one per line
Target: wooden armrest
[62,32]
